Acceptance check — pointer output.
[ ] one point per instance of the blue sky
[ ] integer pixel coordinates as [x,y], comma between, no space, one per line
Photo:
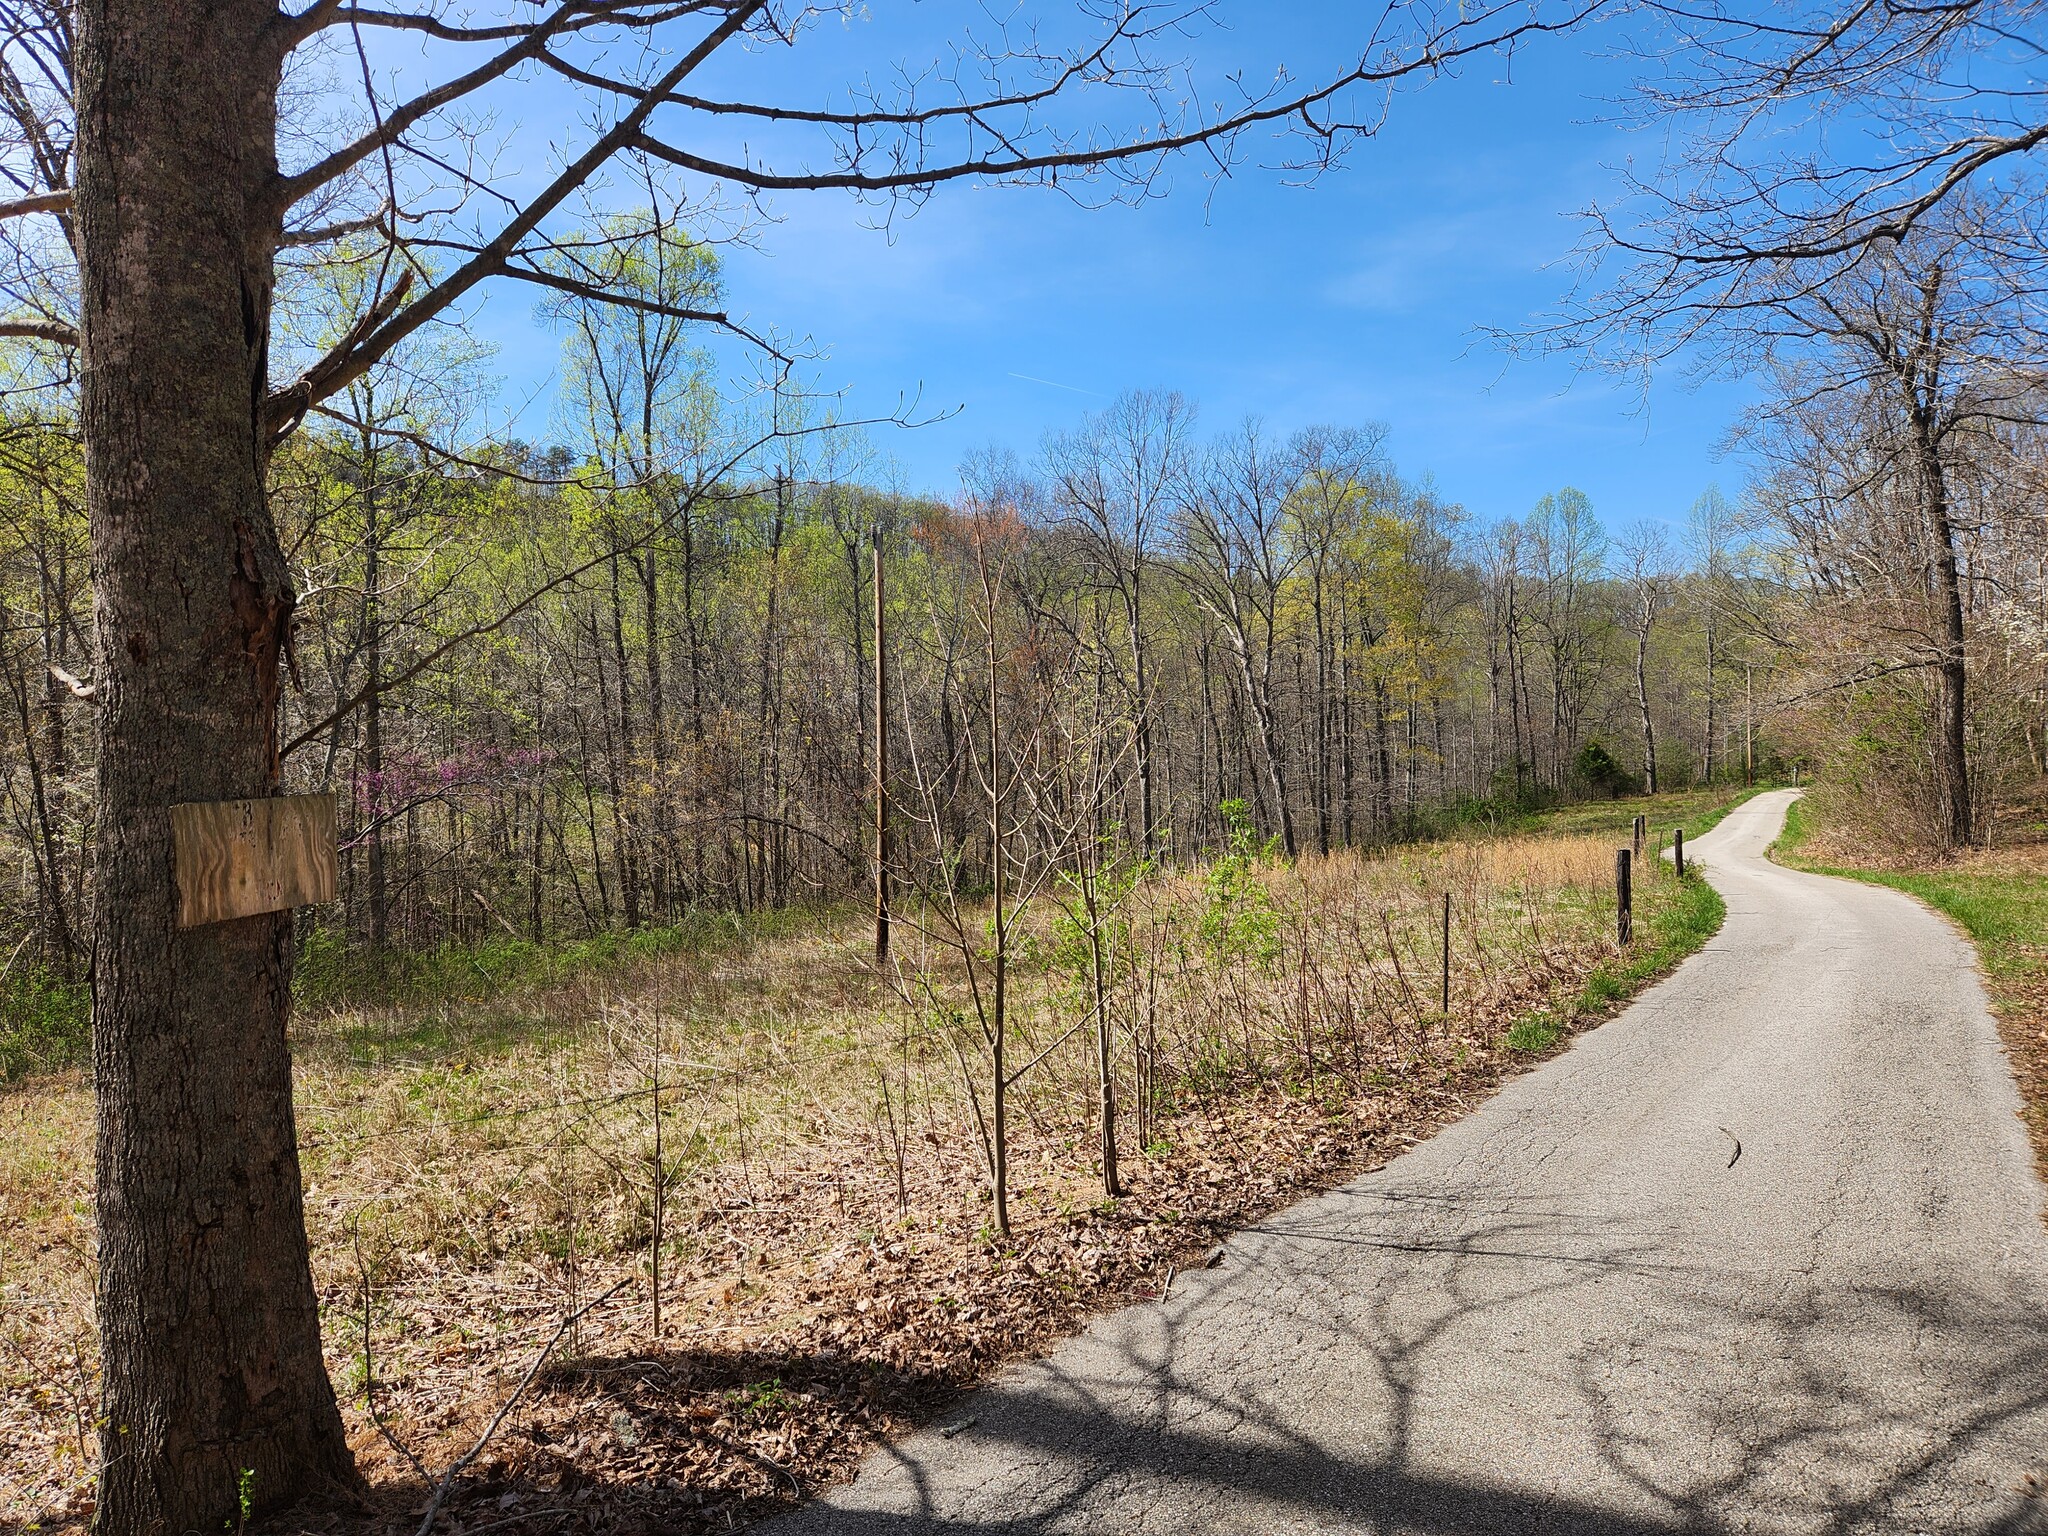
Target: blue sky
[1357,298]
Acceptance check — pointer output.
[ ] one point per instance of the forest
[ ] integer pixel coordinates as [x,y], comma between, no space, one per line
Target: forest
[558,692]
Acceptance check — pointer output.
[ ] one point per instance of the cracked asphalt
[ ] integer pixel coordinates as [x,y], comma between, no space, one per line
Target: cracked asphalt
[1570,1313]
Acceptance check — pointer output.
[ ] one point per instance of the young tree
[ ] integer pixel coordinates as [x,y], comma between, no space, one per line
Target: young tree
[638,387]
[1645,570]
[1710,537]
[1342,475]
[1117,479]
[1570,551]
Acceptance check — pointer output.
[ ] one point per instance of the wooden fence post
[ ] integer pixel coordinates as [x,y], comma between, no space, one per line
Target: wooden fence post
[1642,835]
[1678,849]
[1624,923]
[1447,955]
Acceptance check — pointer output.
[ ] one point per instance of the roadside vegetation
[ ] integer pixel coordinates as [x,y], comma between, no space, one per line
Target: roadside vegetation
[762,1162]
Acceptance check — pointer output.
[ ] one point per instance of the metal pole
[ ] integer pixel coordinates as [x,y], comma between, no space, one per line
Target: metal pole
[1623,915]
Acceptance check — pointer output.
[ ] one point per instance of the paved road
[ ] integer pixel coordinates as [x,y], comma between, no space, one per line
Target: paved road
[1569,1313]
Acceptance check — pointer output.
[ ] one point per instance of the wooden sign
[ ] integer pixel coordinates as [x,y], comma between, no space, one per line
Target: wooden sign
[237,858]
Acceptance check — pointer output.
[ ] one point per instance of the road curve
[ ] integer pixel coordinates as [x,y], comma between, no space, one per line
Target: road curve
[1577,1310]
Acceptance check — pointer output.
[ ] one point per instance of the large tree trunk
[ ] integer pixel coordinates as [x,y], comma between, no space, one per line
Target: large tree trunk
[208,1317]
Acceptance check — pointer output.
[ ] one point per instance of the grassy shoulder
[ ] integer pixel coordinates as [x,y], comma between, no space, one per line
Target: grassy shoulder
[1696,810]
[1999,897]
[1674,918]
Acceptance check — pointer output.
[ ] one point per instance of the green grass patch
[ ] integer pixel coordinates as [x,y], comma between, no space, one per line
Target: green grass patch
[1674,917]
[1696,810]
[1535,1032]
[334,973]
[2004,911]
[45,1023]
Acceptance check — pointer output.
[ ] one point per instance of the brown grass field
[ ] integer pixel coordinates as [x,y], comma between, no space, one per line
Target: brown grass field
[482,1176]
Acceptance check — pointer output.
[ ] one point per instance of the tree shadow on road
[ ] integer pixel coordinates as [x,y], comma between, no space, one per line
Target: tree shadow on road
[1525,1369]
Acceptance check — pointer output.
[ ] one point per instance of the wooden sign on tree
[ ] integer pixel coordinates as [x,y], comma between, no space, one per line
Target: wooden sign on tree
[237,858]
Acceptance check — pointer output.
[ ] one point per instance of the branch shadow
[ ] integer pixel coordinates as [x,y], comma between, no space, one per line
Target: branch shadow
[1298,1394]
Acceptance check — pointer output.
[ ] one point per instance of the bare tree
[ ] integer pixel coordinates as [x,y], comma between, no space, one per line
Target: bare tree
[1891,384]
[1915,353]
[1645,569]
[1801,136]
[1343,475]
[1116,478]
[1237,558]
[1569,549]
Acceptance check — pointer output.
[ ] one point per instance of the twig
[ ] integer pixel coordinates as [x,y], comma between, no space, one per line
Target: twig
[4,969]
[762,1457]
[464,1461]
[369,1362]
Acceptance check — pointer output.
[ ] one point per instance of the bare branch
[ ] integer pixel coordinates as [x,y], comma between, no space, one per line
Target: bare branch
[39,330]
[43,202]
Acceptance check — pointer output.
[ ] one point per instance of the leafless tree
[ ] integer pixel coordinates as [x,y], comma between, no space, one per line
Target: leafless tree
[1914,353]
[1801,136]
[1646,573]
[1116,478]
[1237,558]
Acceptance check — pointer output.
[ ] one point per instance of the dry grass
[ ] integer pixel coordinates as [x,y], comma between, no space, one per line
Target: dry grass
[476,1171]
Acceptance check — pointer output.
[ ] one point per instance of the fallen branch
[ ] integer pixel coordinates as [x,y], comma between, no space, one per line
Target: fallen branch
[468,1458]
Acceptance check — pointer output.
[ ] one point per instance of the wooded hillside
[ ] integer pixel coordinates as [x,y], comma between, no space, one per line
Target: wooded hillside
[557,696]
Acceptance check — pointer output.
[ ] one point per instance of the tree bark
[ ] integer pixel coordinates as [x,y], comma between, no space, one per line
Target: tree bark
[208,1317]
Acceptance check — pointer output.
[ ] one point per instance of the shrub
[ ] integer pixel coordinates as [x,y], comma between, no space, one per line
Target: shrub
[1595,771]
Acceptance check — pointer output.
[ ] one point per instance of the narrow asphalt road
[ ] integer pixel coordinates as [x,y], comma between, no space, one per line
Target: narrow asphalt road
[1572,1312]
